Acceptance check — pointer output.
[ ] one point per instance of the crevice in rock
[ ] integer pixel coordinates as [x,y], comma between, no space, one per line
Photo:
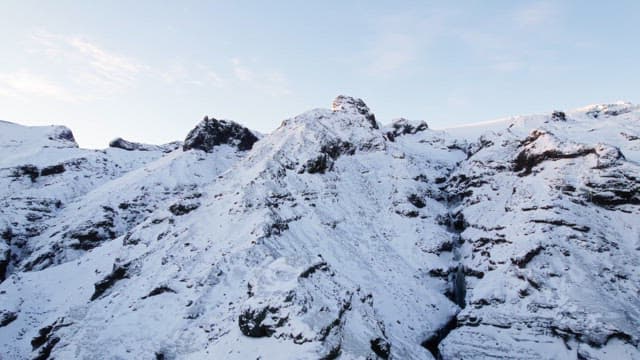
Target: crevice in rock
[433,342]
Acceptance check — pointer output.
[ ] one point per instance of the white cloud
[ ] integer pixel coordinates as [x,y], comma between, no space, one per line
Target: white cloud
[23,84]
[88,67]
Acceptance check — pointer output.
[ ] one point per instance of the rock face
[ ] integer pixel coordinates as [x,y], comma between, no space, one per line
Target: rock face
[332,238]
[123,144]
[351,105]
[211,132]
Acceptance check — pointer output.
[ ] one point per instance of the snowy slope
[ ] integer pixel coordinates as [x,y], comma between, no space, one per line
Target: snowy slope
[41,171]
[335,237]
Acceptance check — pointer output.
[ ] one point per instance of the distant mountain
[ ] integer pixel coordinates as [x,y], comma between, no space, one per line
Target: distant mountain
[333,237]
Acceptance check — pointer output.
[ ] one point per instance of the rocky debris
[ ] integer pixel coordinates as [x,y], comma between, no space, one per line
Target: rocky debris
[52,170]
[46,339]
[118,273]
[159,290]
[260,322]
[354,105]
[7,317]
[525,259]
[28,170]
[321,266]
[381,347]
[403,126]
[183,208]
[211,132]
[416,201]
[613,190]
[329,153]
[120,143]
[91,234]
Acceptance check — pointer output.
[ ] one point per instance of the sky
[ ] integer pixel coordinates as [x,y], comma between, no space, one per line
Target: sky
[148,71]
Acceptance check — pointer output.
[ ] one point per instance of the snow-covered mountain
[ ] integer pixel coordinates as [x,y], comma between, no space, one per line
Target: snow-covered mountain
[332,237]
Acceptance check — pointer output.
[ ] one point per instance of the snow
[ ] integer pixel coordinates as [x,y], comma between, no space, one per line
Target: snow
[330,235]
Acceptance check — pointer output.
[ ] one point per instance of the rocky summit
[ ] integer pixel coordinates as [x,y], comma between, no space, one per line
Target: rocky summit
[333,237]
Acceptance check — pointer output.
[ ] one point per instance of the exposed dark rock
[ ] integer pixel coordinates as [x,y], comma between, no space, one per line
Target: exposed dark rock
[526,159]
[45,351]
[52,170]
[46,339]
[407,213]
[31,171]
[7,317]
[416,201]
[355,106]
[324,333]
[123,144]
[41,338]
[617,189]
[630,137]
[333,354]
[522,261]
[91,235]
[41,261]
[381,347]
[556,222]
[329,152]
[7,234]
[159,290]
[5,259]
[180,209]
[63,133]
[318,165]
[475,147]
[434,340]
[211,132]
[119,272]
[558,116]
[337,148]
[321,266]
[252,322]
[405,127]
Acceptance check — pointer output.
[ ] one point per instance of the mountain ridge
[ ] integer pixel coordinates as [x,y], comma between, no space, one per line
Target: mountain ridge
[334,237]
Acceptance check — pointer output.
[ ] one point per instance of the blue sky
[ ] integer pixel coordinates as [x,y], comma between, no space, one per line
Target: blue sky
[149,70]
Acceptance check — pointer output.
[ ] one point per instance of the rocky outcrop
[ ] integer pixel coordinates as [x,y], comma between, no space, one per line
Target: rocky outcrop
[352,105]
[120,143]
[403,126]
[211,132]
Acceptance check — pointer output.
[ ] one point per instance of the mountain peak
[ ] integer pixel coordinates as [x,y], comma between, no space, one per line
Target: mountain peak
[212,132]
[353,105]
